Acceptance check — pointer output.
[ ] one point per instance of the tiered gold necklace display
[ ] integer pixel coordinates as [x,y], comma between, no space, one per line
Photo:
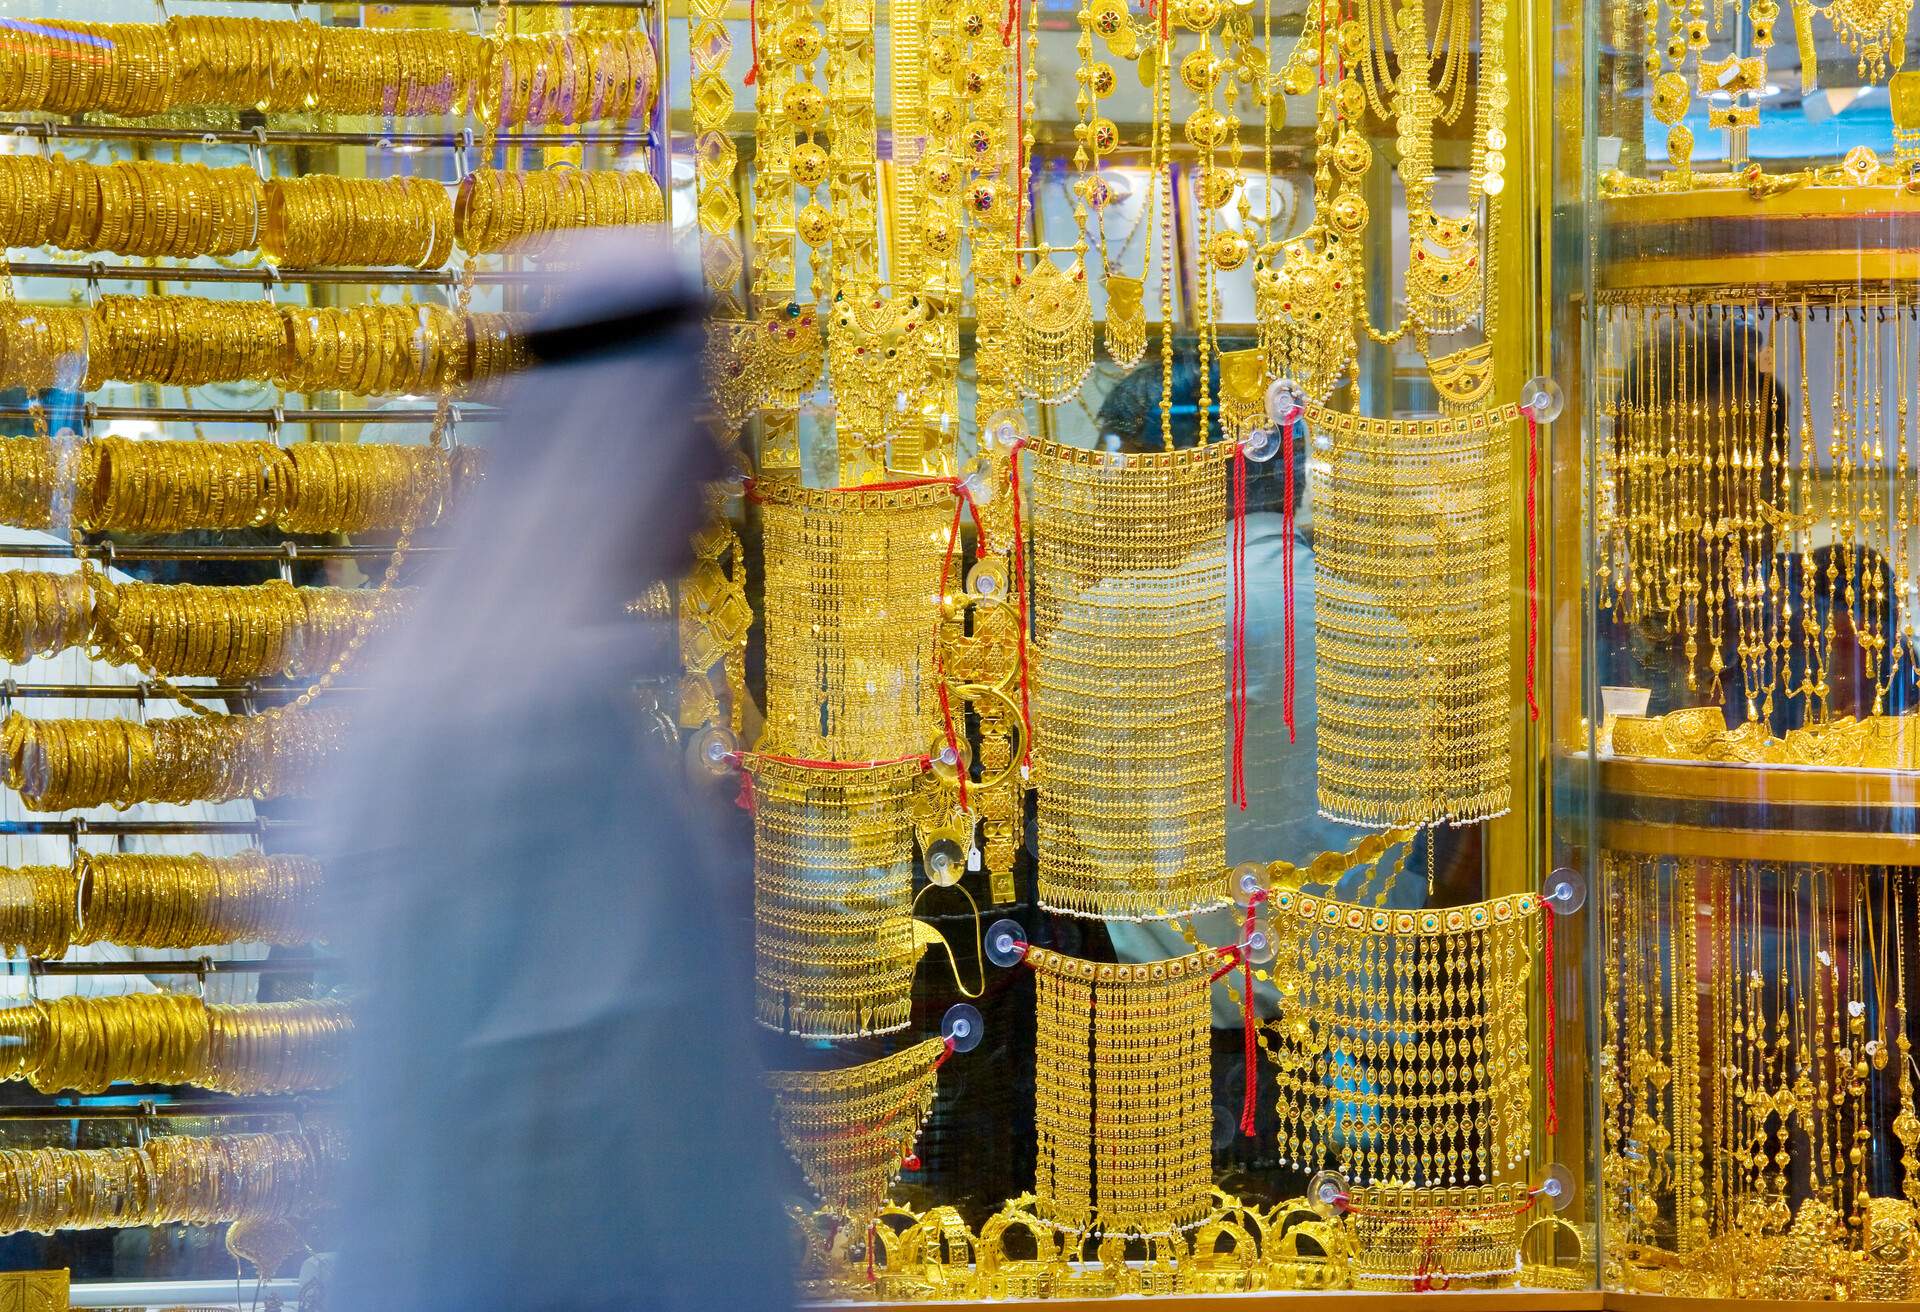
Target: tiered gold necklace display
[1402,1049]
[1123,1101]
[1129,557]
[834,947]
[851,1129]
[852,582]
[1412,535]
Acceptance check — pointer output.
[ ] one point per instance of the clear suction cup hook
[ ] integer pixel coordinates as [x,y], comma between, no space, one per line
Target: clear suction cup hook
[1328,1191]
[1260,947]
[963,1027]
[945,862]
[1004,428]
[1542,398]
[1006,943]
[1250,878]
[979,485]
[1555,1188]
[1261,445]
[1286,402]
[987,579]
[1566,891]
[712,751]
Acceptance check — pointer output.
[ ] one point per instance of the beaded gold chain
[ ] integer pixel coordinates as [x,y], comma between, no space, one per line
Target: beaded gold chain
[1129,560]
[1123,1101]
[851,1128]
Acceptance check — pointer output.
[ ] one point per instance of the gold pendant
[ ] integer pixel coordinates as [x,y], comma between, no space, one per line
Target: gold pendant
[1126,328]
[1053,328]
[1464,377]
[876,364]
[1243,403]
[791,351]
[732,368]
[1443,278]
[1306,311]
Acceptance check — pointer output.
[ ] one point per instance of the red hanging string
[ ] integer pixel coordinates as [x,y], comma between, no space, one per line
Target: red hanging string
[1019,133]
[744,799]
[1246,1018]
[1287,528]
[1011,22]
[1546,969]
[870,1245]
[1239,689]
[961,502]
[1533,553]
[1020,593]
[753,28]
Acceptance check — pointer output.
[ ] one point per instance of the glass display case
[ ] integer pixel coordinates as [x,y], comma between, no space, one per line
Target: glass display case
[1734,627]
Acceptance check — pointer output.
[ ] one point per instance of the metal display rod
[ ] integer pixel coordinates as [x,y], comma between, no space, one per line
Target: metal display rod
[290,551]
[51,133]
[266,276]
[145,691]
[78,827]
[182,1293]
[199,966]
[464,411]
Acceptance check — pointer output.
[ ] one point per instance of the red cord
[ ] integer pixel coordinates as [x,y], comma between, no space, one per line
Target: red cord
[870,1245]
[1246,1019]
[1287,513]
[1019,135]
[1546,967]
[753,28]
[1239,689]
[1533,553]
[1020,593]
[744,799]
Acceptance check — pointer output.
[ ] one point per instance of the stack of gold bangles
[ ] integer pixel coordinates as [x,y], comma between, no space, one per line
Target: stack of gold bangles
[196,901]
[188,341]
[321,220]
[88,1044]
[132,486]
[245,632]
[133,207]
[136,69]
[497,208]
[60,764]
[169,1179]
[149,208]
[152,901]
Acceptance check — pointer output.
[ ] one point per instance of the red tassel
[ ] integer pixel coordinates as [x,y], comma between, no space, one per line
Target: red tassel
[1246,1024]
[753,28]
[1546,970]
[1533,554]
[1020,593]
[744,799]
[1287,529]
[1239,688]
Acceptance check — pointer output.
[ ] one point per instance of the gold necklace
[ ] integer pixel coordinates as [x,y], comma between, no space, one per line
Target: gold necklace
[1130,823]
[1123,1103]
